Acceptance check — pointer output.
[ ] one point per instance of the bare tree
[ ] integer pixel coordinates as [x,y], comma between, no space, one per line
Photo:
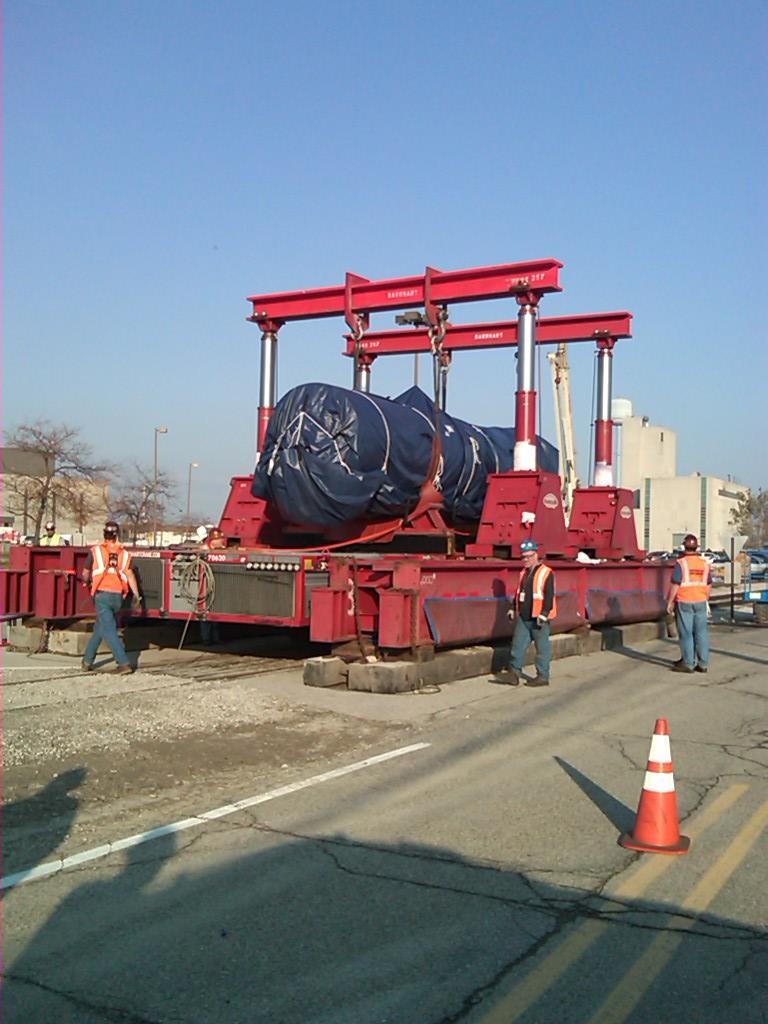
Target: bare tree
[56,477]
[134,500]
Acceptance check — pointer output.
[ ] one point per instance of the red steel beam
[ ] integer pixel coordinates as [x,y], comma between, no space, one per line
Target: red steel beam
[579,327]
[444,286]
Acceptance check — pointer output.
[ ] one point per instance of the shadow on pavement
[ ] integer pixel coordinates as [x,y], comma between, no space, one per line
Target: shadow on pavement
[651,659]
[738,657]
[655,659]
[33,828]
[620,816]
[334,930]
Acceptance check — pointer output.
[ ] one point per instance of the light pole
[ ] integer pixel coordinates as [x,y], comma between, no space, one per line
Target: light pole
[158,430]
[192,465]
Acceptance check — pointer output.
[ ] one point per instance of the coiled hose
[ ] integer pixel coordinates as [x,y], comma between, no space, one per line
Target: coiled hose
[197,585]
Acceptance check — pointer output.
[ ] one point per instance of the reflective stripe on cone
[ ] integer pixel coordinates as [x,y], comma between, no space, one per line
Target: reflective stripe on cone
[657,826]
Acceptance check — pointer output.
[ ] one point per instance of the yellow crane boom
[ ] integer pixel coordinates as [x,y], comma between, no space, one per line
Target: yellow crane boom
[561,384]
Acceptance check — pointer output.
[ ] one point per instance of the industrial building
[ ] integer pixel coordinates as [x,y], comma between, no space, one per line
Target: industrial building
[668,506]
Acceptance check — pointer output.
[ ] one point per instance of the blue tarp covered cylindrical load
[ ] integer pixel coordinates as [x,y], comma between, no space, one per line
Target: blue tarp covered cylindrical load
[332,456]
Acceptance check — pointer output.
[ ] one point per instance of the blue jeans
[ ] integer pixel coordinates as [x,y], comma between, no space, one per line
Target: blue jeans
[527,631]
[108,604]
[692,626]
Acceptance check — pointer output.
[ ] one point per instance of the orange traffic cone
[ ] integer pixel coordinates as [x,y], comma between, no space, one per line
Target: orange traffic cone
[657,826]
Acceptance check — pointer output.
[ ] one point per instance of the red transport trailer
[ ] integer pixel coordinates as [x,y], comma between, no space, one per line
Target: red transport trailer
[402,601]
[412,582]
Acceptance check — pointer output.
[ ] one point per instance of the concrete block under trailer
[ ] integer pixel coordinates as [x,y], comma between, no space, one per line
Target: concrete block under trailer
[402,601]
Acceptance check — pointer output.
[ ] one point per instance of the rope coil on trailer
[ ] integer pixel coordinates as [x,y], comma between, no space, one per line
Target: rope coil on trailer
[201,598]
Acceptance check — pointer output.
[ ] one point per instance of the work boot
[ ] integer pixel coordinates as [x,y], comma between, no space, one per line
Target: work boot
[701,668]
[507,676]
[124,670]
[680,666]
[86,666]
[538,681]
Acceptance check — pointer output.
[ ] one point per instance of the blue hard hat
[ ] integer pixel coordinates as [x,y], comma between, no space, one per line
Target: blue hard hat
[529,545]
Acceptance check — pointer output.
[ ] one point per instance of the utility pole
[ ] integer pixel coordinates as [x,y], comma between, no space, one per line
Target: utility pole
[158,430]
[192,465]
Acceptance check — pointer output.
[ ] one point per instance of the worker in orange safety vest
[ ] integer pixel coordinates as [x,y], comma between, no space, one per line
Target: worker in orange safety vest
[109,575]
[688,597]
[535,605]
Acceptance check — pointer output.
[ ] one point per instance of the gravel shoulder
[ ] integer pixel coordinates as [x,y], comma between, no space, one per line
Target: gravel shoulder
[88,754]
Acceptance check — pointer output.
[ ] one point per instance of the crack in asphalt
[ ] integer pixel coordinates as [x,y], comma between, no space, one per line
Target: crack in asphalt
[752,693]
[732,751]
[574,907]
[633,764]
[750,727]
[704,788]
[102,1011]
[477,996]
[744,967]
[744,758]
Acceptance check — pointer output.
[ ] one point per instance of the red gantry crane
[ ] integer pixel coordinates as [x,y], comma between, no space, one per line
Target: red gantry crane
[413,582]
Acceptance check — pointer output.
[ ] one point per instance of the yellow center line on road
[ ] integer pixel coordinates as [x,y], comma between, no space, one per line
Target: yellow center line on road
[636,982]
[541,978]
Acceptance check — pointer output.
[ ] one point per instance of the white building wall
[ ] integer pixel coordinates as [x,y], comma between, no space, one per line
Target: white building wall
[722,499]
[645,450]
[669,506]
[672,507]
[85,529]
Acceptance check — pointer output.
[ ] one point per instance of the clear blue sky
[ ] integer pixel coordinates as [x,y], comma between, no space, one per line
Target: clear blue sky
[164,160]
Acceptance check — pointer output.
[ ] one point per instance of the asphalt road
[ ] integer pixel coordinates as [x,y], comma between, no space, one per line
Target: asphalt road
[473,875]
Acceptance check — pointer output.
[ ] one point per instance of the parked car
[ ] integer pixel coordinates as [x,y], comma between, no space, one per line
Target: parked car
[717,559]
[758,565]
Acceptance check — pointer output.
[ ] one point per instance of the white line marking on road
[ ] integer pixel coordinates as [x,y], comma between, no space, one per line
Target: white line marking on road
[55,866]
